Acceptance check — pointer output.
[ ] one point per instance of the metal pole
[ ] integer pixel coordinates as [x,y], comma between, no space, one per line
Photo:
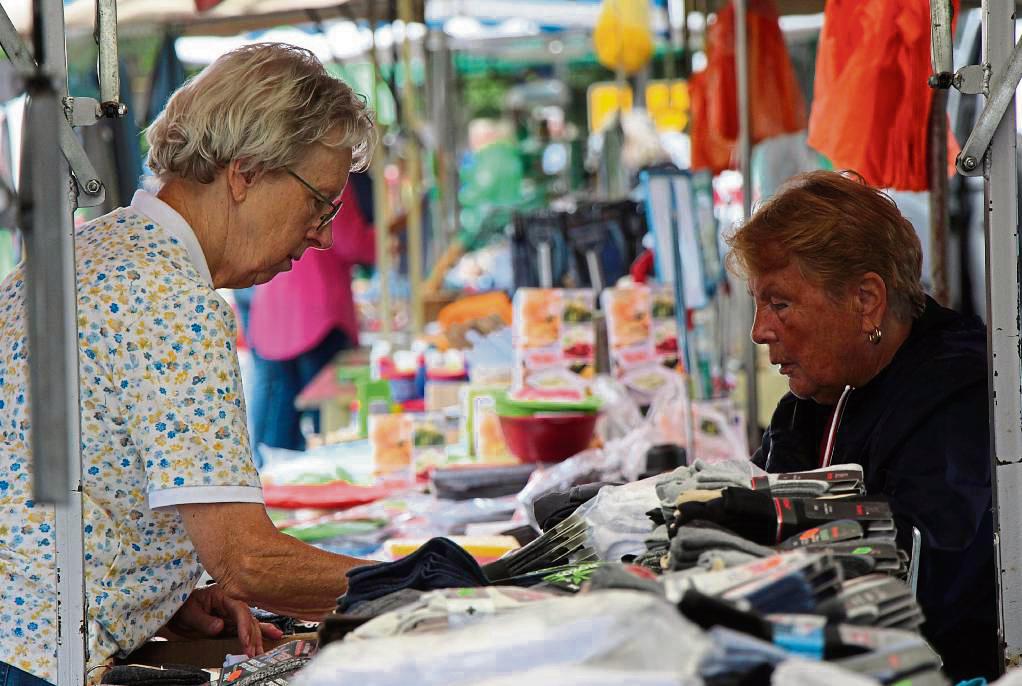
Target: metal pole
[380,204]
[745,162]
[109,69]
[436,104]
[1003,311]
[413,175]
[52,333]
[940,218]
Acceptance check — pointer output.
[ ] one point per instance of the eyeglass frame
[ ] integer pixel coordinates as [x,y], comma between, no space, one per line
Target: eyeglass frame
[324,219]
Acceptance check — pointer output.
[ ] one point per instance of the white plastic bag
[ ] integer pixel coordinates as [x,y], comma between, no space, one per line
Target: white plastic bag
[624,631]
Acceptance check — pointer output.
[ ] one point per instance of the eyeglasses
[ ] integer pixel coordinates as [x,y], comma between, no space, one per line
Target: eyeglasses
[334,207]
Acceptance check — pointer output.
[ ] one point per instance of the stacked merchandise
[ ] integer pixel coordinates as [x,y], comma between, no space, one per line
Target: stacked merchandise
[715,574]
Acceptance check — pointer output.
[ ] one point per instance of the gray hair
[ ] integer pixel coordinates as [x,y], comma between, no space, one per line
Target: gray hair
[265,105]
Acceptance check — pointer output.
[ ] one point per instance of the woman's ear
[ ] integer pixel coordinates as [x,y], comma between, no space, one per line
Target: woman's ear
[871,299]
[239,181]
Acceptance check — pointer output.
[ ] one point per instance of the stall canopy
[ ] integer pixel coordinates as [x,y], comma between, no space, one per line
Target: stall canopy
[230,17]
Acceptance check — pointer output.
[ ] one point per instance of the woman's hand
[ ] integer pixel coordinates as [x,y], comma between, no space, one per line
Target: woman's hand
[208,613]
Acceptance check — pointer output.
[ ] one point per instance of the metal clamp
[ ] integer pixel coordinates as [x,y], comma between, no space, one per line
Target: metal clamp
[82,111]
[972,80]
[1001,92]
[91,190]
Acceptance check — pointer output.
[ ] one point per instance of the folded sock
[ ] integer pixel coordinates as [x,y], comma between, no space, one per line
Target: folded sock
[691,541]
[697,495]
[766,520]
[623,576]
[439,563]
[799,489]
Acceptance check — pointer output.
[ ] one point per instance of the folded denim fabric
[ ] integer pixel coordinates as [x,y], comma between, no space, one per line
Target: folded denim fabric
[439,563]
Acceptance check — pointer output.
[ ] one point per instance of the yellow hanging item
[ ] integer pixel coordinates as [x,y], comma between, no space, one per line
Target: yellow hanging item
[622,37]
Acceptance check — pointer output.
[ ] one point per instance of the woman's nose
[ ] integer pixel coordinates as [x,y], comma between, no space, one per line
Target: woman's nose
[762,332]
[323,238]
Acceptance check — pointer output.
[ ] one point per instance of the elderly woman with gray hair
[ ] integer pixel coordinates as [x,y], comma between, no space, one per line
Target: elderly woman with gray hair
[883,376]
[250,157]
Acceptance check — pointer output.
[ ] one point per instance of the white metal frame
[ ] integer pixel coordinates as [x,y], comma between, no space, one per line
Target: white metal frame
[47,196]
[1004,308]
[46,202]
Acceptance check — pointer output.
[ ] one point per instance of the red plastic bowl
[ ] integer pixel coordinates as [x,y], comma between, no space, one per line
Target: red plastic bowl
[548,438]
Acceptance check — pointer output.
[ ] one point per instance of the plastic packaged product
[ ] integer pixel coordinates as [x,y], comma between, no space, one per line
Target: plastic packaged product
[632,340]
[483,435]
[665,328]
[628,632]
[391,443]
[554,343]
[448,608]
[616,519]
[429,441]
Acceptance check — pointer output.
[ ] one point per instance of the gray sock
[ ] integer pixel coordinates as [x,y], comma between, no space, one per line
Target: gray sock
[690,542]
[798,489]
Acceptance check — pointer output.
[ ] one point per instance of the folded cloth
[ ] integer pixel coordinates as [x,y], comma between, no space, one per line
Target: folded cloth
[622,576]
[697,495]
[439,563]
[838,478]
[799,489]
[463,482]
[172,675]
[691,541]
[553,508]
[769,521]
[391,601]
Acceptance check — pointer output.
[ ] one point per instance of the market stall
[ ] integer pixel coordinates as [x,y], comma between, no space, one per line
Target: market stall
[556,484]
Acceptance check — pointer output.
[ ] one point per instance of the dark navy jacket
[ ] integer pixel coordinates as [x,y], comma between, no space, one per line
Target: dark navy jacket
[920,431]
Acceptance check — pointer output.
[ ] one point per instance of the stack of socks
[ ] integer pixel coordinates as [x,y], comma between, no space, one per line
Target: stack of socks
[694,539]
[440,563]
[879,600]
[769,521]
[840,479]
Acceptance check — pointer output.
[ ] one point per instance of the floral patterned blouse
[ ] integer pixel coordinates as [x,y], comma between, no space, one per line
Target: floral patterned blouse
[163,423]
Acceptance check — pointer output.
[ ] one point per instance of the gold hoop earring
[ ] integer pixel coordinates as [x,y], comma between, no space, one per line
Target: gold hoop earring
[875,335]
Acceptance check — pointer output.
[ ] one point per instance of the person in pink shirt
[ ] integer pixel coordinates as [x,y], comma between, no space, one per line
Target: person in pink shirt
[301,319]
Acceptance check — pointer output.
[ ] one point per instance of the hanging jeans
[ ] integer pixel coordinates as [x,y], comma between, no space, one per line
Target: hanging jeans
[275,421]
[12,676]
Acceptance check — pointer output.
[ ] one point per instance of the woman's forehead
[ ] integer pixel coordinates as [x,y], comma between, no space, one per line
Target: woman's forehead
[786,278]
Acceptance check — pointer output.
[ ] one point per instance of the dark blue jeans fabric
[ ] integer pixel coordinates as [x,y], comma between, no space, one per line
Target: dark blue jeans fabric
[12,676]
[275,421]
